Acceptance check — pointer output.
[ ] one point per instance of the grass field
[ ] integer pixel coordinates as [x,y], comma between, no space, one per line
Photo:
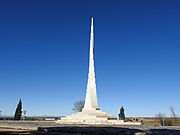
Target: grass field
[156,122]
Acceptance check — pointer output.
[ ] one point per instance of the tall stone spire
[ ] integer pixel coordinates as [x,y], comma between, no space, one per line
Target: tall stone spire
[91,114]
[91,95]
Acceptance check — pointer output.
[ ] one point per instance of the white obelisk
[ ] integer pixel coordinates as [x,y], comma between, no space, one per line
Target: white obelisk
[91,114]
[91,95]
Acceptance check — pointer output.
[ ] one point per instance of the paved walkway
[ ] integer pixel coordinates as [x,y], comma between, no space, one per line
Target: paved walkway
[50,127]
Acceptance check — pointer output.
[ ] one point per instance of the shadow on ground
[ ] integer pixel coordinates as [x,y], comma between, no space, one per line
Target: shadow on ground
[93,131]
[90,130]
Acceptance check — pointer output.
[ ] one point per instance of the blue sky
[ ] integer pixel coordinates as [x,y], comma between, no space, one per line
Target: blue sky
[44,48]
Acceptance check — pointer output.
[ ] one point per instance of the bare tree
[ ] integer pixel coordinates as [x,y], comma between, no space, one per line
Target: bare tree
[173,113]
[78,106]
[161,117]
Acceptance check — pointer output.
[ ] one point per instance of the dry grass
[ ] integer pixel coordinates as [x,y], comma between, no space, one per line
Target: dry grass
[155,122]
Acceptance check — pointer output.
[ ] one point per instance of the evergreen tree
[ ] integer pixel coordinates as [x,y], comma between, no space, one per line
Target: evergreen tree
[17,115]
[121,114]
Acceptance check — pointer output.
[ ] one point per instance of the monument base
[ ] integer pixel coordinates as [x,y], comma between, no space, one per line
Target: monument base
[93,117]
[87,121]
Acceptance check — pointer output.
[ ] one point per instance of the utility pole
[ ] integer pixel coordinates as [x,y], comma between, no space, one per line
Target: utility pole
[24,113]
[163,120]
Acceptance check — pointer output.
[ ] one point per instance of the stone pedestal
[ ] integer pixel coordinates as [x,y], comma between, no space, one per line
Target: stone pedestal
[93,117]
